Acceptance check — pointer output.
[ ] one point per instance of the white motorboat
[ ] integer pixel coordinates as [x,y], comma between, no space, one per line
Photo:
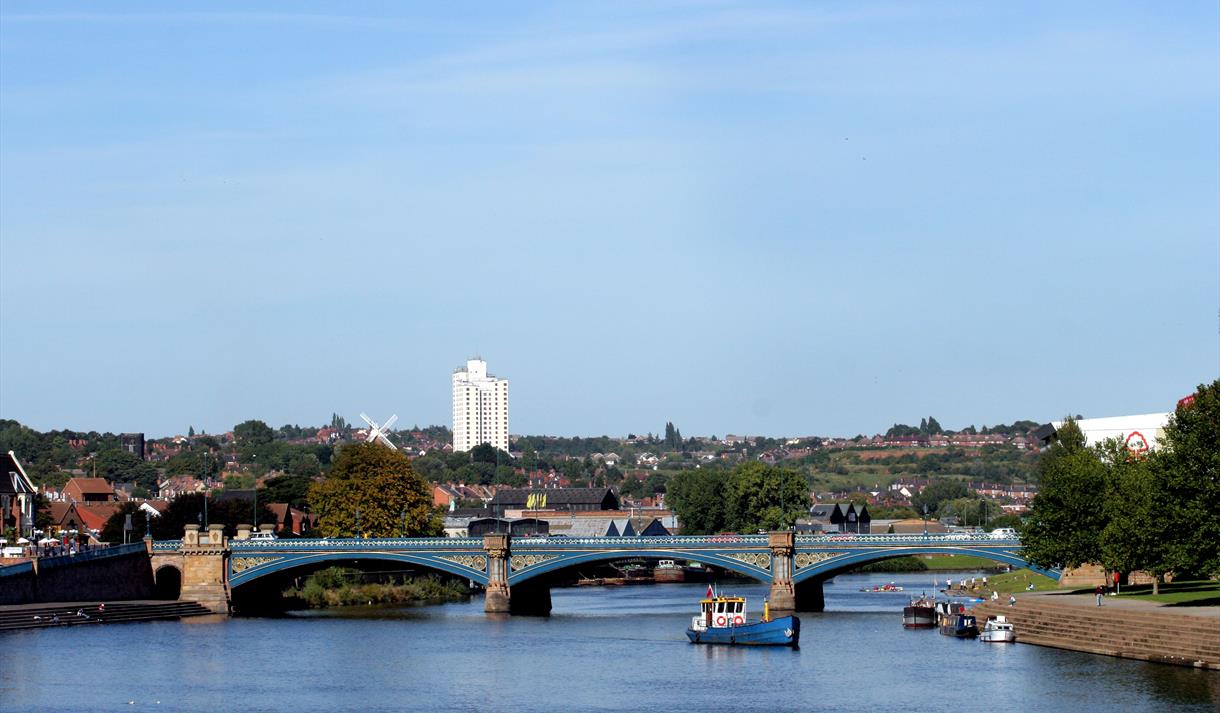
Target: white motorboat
[998,630]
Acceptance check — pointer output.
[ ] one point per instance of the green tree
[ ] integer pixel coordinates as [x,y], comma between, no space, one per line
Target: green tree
[305,465]
[937,492]
[1135,536]
[253,433]
[1067,515]
[369,491]
[765,497]
[118,465]
[1190,484]
[697,498]
[290,489]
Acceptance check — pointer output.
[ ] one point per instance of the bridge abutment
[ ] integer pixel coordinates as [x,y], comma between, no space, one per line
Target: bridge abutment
[204,568]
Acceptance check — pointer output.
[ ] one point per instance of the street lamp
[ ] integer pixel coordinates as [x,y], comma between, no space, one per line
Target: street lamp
[404,523]
[925,519]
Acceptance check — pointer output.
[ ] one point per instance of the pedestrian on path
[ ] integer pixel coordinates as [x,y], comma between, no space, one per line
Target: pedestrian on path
[1012,600]
[1098,592]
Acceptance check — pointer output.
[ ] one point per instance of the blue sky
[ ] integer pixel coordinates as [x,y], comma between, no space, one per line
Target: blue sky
[740,217]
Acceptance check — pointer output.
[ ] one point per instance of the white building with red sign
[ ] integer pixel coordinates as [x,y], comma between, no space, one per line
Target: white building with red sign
[1141,432]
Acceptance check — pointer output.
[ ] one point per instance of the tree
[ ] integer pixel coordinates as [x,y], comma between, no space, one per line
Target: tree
[370,491]
[118,465]
[1135,536]
[938,492]
[290,489]
[697,498]
[190,432]
[934,426]
[113,532]
[1067,515]
[765,497]
[253,433]
[305,465]
[1190,483]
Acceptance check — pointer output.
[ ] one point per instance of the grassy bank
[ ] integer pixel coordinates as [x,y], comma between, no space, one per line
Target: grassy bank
[1019,580]
[949,563]
[338,586]
[1202,593]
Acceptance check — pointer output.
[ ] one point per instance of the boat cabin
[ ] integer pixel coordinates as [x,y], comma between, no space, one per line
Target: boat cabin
[723,611]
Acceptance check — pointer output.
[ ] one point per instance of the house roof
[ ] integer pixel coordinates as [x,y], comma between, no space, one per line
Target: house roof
[95,515]
[91,486]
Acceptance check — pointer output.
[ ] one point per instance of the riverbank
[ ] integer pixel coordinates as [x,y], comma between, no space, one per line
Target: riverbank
[1129,628]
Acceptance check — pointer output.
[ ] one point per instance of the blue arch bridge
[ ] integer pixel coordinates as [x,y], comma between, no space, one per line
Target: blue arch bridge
[513,571]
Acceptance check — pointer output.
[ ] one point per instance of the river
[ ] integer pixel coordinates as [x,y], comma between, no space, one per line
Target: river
[602,649]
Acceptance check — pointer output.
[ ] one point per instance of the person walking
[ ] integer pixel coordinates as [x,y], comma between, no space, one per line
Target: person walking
[1100,589]
[1012,600]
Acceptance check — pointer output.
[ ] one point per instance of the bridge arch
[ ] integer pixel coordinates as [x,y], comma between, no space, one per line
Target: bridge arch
[167,582]
[850,559]
[560,560]
[242,574]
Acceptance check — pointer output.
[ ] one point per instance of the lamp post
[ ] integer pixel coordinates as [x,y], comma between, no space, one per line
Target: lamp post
[403,531]
[358,534]
[925,519]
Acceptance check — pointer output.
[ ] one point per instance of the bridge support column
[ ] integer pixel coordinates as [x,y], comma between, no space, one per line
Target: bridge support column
[783,594]
[497,599]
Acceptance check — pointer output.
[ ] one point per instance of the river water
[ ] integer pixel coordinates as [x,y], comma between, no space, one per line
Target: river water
[602,649]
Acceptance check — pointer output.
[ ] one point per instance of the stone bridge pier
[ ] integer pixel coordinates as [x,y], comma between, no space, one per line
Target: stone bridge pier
[528,598]
[785,596]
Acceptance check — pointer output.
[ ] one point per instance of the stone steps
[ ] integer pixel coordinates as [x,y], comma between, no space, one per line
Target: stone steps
[24,617]
[1181,639]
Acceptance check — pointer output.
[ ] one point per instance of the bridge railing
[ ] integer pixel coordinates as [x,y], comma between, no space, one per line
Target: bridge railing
[563,542]
[359,543]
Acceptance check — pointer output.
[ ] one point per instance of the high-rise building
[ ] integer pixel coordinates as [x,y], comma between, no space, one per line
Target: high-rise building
[480,407]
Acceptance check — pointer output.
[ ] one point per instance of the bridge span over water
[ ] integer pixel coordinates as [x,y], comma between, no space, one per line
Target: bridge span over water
[514,570]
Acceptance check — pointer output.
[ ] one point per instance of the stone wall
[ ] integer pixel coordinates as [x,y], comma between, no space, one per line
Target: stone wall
[123,576]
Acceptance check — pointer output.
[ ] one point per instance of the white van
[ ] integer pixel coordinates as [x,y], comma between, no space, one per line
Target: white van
[1003,533]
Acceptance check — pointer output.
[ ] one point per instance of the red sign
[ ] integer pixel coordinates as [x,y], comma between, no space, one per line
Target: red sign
[1136,443]
[1186,402]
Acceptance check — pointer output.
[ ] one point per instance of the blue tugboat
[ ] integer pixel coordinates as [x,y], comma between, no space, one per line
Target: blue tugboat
[722,620]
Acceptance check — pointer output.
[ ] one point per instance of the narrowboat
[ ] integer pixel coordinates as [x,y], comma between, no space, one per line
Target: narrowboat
[919,614]
[722,620]
[998,630]
[954,621]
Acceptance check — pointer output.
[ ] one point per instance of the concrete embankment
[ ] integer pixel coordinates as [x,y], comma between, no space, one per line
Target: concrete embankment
[38,616]
[1123,628]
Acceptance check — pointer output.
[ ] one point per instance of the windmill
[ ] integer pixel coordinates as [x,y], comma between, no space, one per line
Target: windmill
[380,433]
